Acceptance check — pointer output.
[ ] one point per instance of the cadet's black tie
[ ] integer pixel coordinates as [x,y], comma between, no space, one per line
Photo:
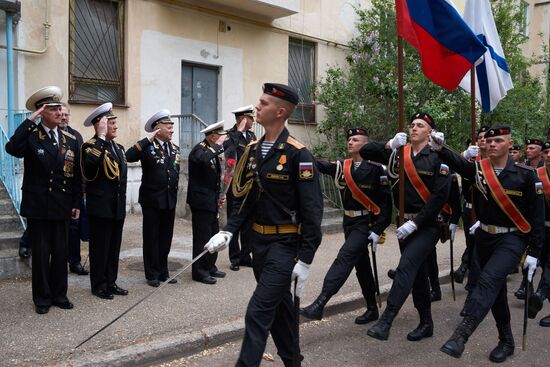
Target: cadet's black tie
[54,139]
[166,151]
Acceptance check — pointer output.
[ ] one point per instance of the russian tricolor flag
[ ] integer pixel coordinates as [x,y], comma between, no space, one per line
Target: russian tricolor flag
[447,46]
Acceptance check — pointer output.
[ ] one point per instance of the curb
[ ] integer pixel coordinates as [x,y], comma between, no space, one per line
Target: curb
[179,346]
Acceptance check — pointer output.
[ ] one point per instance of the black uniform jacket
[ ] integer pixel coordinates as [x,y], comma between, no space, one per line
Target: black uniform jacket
[160,174]
[236,142]
[372,179]
[204,177]
[289,174]
[519,182]
[436,178]
[52,179]
[105,195]
[454,200]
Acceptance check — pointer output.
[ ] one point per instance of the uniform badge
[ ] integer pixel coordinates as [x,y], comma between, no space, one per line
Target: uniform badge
[40,151]
[41,135]
[305,170]
[444,169]
[538,187]
[68,164]
[282,161]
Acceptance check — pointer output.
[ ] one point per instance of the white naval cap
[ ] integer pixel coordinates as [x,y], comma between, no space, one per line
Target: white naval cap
[245,110]
[49,96]
[106,109]
[159,116]
[216,128]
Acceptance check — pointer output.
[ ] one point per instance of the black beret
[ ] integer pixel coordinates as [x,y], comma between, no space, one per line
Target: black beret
[356,131]
[533,141]
[281,91]
[546,145]
[482,129]
[498,131]
[516,147]
[424,116]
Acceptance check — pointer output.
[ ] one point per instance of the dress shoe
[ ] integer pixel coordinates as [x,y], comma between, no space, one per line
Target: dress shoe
[234,267]
[206,280]
[370,315]
[41,310]
[25,253]
[217,274]
[78,269]
[545,321]
[66,305]
[116,290]
[435,295]
[172,281]
[391,274]
[103,293]
[153,282]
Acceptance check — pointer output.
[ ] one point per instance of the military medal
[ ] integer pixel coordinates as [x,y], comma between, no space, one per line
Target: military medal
[282,160]
[279,167]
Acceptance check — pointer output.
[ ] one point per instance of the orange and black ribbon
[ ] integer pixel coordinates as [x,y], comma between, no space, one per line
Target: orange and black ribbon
[358,195]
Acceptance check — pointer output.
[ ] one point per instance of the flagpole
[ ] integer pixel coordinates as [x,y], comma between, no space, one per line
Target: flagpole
[473,103]
[401,118]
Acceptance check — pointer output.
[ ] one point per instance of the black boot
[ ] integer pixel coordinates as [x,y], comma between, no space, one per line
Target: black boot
[463,311]
[381,330]
[455,345]
[545,321]
[315,310]
[460,273]
[535,304]
[424,329]
[435,295]
[506,345]
[370,315]
[391,273]
[521,292]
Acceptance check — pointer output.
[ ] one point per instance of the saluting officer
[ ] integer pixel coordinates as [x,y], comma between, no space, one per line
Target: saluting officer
[277,185]
[238,137]
[158,193]
[203,195]
[366,197]
[509,205]
[427,185]
[51,194]
[105,169]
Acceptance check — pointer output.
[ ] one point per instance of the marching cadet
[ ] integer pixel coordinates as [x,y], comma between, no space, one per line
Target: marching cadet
[543,290]
[203,194]
[366,197]
[516,153]
[509,205]
[533,153]
[158,193]
[427,188]
[104,166]
[277,185]
[238,137]
[51,194]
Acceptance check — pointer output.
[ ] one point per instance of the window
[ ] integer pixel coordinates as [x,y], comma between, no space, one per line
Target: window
[301,75]
[96,51]
[524,26]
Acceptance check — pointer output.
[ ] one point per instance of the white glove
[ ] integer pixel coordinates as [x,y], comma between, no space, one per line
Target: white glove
[398,140]
[531,263]
[218,242]
[406,229]
[452,229]
[471,152]
[300,273]
[436,140]
[473,228]
[374,238]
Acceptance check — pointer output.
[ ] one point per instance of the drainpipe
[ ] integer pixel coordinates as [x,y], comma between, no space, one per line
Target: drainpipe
[12,10]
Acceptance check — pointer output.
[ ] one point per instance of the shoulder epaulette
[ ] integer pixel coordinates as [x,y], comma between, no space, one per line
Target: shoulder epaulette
[68,134]
[524,166]
[91,141]
[295,143]
[252,142]
[202,144]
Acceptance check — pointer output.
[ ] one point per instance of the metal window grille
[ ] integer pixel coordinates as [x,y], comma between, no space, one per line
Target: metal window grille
[301,75]
[96,51]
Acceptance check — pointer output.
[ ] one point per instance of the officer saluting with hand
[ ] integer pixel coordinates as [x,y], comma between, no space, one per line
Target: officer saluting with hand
[277,185]
[104,166]
[51,194]
[158,193]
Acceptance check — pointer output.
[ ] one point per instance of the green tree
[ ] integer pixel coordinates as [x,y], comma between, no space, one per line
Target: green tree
[364,92]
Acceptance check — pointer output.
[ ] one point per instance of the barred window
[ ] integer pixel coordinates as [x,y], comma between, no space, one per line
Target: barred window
[96,51]
[301,76]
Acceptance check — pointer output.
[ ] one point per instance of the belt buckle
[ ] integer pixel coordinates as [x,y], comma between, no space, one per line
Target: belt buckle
[492,229]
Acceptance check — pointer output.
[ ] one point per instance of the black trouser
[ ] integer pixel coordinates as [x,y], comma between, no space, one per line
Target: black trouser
[158,229]
[105,240]
[270,309]
[48,241]
[470,256]
[239,254]
[77,228]
[498,255]
[354,252]
[544,262]
[433,271]
[412,271]
[204,225]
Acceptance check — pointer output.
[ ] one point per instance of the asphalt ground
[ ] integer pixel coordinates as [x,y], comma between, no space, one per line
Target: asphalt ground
[179,320]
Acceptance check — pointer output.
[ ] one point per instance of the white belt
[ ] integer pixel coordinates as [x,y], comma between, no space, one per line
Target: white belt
[355,213]
[492,229]
[468,205]
[547,223]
